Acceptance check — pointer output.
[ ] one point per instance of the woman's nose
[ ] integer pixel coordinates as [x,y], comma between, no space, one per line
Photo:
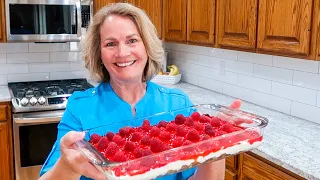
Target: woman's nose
[123,51]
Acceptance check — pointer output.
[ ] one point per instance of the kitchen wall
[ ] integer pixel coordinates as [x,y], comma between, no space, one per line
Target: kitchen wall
[40,61]
[288,85]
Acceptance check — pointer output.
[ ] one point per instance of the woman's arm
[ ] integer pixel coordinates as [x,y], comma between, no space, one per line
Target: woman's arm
[60,171]
[210,171]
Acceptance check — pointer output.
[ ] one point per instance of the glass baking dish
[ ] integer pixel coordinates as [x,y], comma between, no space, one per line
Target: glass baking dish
[249,135]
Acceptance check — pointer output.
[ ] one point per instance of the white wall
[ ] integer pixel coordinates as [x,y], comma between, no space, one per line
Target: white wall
[40,61]
[288,85]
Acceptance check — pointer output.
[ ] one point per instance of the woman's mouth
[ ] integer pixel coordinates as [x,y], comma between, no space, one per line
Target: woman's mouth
[125,64]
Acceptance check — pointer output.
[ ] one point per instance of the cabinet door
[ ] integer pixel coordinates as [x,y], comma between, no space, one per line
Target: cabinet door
[2,22]
[237,22]
[175,20]
[154,10]
[229,175]
[200,24]
[98,4]
[284,26]
[6,170]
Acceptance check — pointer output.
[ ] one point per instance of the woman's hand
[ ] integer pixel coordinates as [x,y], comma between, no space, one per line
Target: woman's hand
[74,160]
[234,105]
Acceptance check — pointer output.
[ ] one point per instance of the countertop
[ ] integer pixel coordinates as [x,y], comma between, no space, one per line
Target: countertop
[289,142]
[4,94]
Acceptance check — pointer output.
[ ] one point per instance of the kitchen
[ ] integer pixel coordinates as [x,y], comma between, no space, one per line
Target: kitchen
[276,77]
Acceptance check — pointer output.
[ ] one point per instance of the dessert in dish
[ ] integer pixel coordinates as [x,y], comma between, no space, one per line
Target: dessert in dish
[150,151]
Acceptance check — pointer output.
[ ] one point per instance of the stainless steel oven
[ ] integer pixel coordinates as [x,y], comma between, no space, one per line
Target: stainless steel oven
[47,20]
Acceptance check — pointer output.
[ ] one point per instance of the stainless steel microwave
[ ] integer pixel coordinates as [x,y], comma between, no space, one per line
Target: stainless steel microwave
[47,20]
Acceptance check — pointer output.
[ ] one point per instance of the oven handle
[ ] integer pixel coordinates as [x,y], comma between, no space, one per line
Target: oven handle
[32,118]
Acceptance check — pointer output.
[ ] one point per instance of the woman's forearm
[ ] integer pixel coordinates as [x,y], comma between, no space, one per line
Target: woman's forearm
[210,171]
[61,172]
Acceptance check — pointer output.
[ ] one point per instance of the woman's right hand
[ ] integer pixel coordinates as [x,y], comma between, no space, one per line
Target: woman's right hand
[73,159]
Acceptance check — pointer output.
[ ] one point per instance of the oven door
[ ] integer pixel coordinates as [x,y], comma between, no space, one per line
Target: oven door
[34,135]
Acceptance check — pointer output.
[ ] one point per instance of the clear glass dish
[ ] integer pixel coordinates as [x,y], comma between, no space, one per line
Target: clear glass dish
[249,135]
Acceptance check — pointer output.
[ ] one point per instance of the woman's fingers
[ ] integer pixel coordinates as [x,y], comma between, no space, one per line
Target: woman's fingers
[90,171]
[70,138]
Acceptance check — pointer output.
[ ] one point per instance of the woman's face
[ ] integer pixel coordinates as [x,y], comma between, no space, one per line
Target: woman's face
[122,50]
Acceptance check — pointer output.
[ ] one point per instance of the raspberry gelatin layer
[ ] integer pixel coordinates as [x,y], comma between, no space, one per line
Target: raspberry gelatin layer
[180,140]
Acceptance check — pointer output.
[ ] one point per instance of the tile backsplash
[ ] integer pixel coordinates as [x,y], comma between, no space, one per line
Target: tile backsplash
[288,85]
[40,61]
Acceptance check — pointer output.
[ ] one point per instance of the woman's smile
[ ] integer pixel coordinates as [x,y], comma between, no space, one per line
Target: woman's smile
[125,64]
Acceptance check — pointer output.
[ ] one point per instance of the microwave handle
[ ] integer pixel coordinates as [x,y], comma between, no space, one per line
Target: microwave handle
[79,20]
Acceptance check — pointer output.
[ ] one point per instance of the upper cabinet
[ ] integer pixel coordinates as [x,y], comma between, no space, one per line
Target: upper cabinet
[175,20]
[200,21]
[98,4]
[285,26]
[236,23]
[2,22]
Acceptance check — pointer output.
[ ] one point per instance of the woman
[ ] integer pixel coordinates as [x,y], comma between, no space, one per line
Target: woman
[123,51]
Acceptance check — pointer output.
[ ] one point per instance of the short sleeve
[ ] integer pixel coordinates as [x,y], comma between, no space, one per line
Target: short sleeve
[188,173]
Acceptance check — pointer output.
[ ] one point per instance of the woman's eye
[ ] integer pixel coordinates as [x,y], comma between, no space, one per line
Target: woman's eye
[132,41]
[110,44]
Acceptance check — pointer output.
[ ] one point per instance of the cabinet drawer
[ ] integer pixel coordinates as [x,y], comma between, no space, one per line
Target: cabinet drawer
[230,175]
[3,112]
[231,163]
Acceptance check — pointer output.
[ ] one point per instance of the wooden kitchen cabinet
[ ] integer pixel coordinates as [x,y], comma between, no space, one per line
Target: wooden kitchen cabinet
[285,26]
[6,149]
[98,4]
[231,168]
[236,23]
[200,21]
[175,20]
[2,22]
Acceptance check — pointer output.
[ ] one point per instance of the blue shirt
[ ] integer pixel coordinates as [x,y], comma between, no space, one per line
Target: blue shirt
[101,106]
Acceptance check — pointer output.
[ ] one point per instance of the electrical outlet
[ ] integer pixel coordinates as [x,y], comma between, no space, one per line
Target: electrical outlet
[222,68]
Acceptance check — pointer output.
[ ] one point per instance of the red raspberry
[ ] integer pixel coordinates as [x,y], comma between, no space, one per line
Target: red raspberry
[204,119]
[146,125]
[198,126]
[111,149]
[103,143]
[195,116]
[137,153]
[162,124]
[205,137]
[95,138]
[227,127]
[209,130]
[119,157]
[177,142]
[171,127]
[145,140]
[180,119]
[181,131]
[164,136]
[156,145]
[186,143]
[136,136]
[118,140]
[193,135]
[219,133]
[110,136]
[146,152]
[155,131]
[189,121]
[129,146]
[124,131]
[215,122]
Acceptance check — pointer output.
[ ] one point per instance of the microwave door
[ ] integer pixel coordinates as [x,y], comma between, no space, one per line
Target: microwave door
[43,20]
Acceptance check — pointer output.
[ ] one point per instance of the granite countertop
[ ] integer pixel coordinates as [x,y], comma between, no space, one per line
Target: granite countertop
[4,94]
[289,142]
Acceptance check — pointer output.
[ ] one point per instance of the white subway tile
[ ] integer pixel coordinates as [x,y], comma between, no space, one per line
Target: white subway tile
[318,99]
[3,58]
[253,83]
[273,73]
[272,102]
[48,47]
[223,53]
[179,47]
[304,111]
[28,77]
[255,58]
[13,68]
[74,46]
[65,56]
[225,76]
[205,71]
[189,78]
[68,75]
[166,45]
[187,67]
[199,49]
[239,67]
[296,64]
[295,93]
[172,54]
[13,47]
[49,67]
[210,84]
[77,66]
[210,61]
[189,57]
[3,80]
[237,92]
[307,80]
[27,57]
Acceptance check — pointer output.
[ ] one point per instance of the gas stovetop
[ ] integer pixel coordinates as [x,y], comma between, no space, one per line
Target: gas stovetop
[44,95]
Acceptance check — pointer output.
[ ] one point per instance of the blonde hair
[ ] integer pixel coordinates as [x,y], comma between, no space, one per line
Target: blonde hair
[91,51]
